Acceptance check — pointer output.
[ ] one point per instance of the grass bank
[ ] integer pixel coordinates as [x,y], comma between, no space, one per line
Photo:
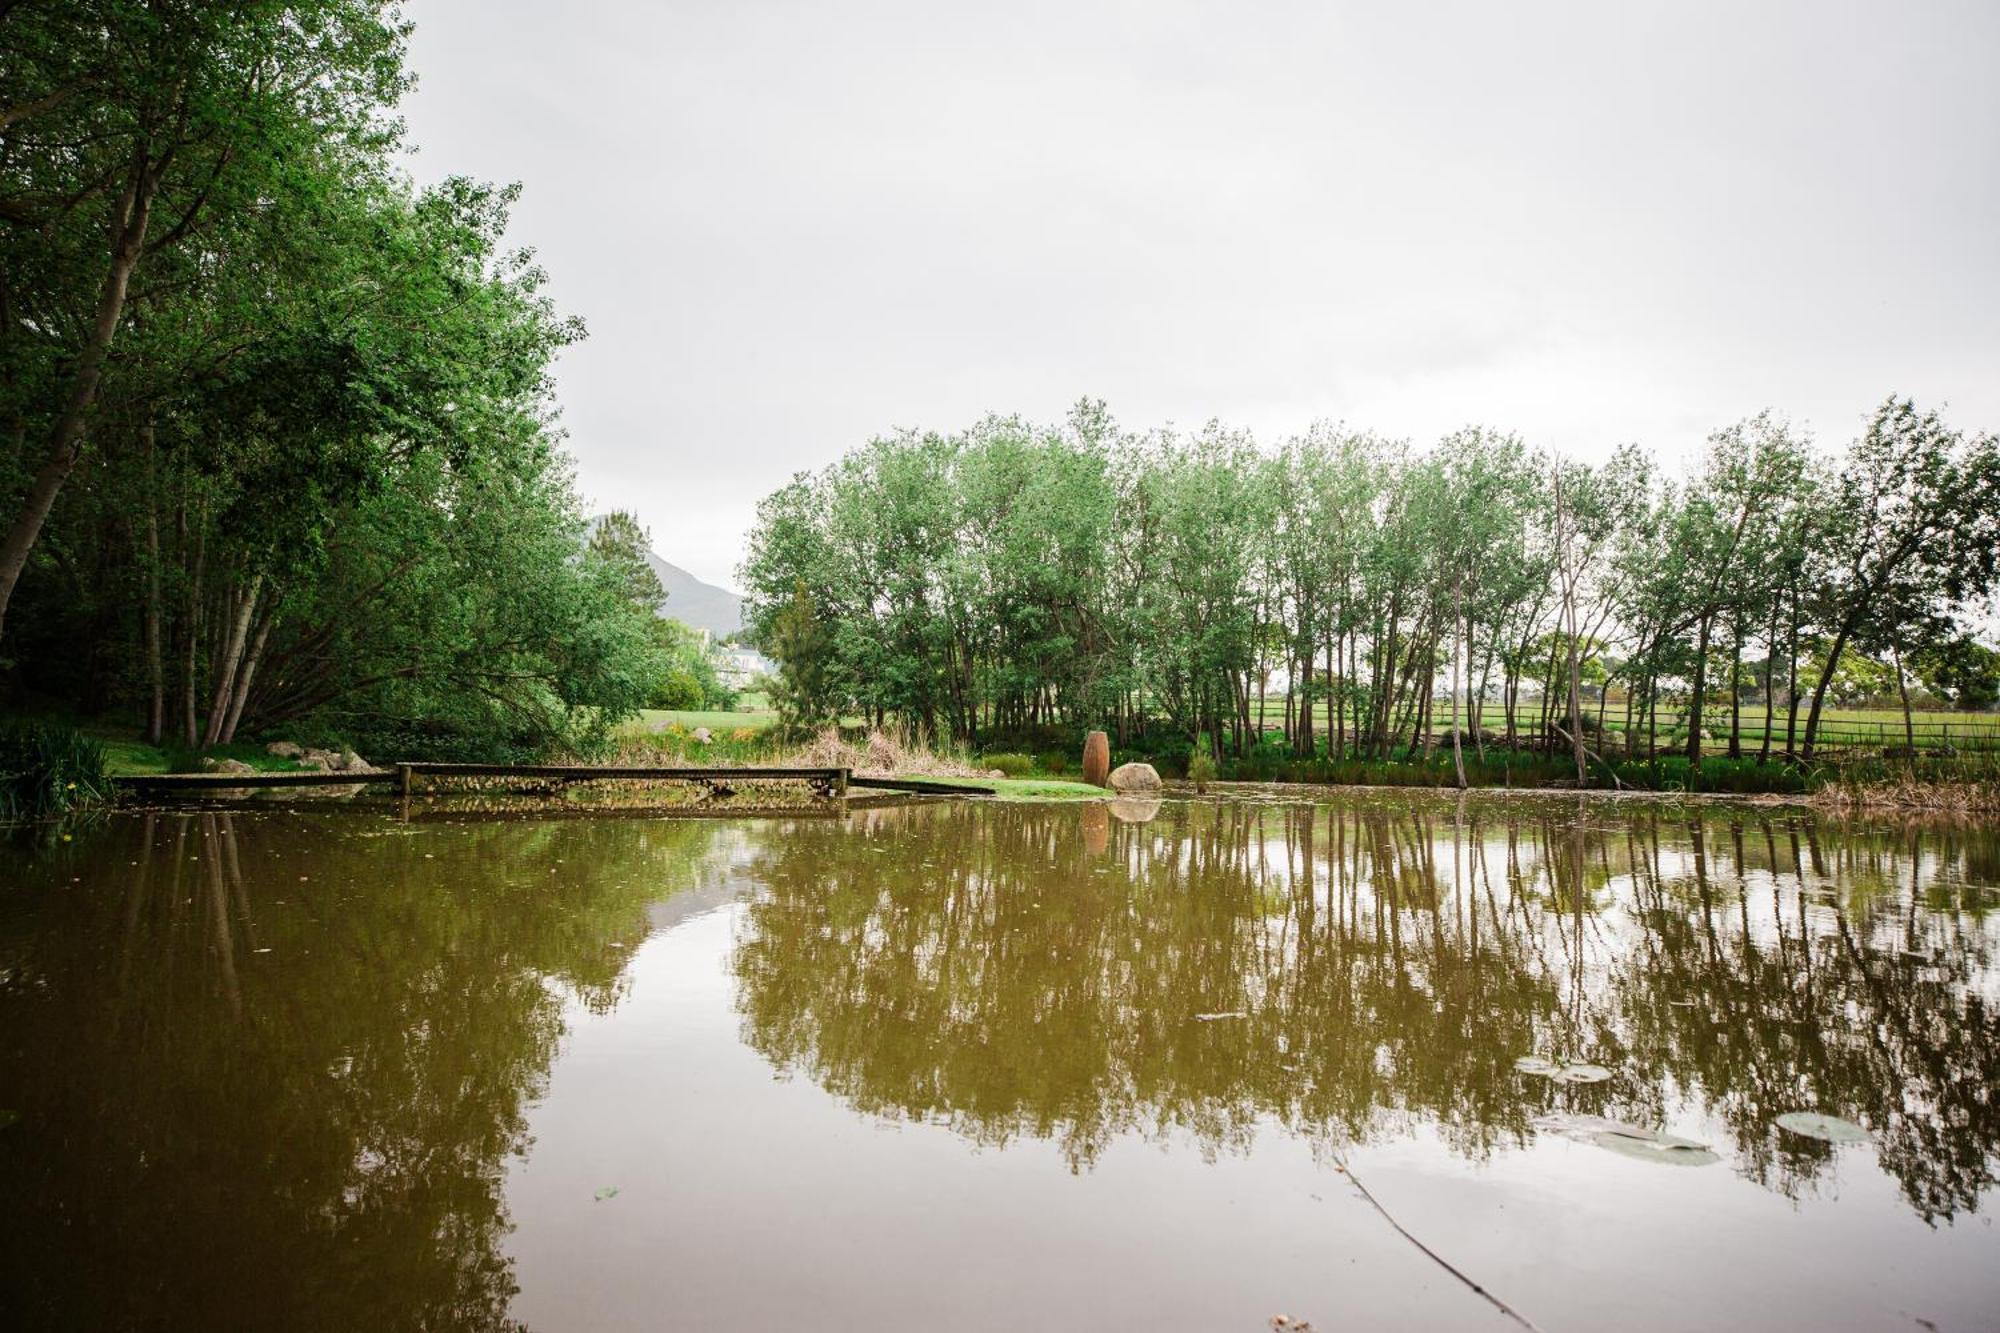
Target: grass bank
[124,756]
[1028,789]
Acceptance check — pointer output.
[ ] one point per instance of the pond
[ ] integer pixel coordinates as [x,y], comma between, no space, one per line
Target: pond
[964,1065]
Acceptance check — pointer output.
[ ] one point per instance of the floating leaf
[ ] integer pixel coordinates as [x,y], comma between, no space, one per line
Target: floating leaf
[1581,1074]
[1627,1140]
[608,1192]
[1582,1128]
[1658,1148]
[1828,1128]
[1229,1013]
[1537,1064]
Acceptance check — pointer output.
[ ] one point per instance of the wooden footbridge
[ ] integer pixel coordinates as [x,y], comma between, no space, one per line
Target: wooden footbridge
[418,779]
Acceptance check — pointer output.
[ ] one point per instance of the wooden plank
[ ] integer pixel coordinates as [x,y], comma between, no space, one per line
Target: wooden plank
[153,782]
[596,773]
[403,775]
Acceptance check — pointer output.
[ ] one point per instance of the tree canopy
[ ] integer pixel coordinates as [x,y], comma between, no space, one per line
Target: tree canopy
[1380,596]
[279,440]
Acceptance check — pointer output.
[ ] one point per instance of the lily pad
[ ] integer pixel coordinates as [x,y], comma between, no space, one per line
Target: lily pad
[608,1192]
[1536,1064]
[1657,1148]
[1581,1074]
[1627,1140]
[1827,1128]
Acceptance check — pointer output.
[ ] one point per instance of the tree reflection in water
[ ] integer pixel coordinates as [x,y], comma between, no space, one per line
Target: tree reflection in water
[270,1071]
[1022,971]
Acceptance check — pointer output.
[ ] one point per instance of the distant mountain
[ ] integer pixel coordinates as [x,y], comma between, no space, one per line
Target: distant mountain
[690,601]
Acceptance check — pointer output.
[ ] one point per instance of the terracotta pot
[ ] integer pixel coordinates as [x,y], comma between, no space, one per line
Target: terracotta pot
[1096,758]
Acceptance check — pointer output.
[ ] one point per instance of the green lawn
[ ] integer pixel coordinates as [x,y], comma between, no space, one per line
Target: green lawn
[1027,789]
[653,719]
[123,755]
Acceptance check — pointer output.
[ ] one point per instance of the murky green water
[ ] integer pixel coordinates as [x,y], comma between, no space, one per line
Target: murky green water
[1000,1067]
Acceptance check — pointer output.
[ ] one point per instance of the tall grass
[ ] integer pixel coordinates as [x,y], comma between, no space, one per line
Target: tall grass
[48,770]
[1964,785]
[884,752]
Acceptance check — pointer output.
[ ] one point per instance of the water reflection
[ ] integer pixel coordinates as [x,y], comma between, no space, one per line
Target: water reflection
[269,1070]
[1355,970]
[273,1070]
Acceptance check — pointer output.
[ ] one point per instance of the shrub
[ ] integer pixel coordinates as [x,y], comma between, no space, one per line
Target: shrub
[1053,761]
[1201,771]
[1008,762]
[436,741]
[48,770]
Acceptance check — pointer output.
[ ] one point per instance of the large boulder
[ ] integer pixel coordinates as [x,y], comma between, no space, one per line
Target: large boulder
[285,749]
[233,767]
[1096,758]
[1135,778]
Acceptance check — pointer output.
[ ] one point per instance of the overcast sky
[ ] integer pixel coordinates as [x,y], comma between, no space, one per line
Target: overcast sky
[793,226]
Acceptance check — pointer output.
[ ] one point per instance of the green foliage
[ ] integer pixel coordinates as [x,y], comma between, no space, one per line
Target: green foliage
[620,544]
[688,678]
[1009,764]
[323,491]
[1010,585]
[48,770]
[1201,770]
[1054,761]
[804,692]
[1962,671]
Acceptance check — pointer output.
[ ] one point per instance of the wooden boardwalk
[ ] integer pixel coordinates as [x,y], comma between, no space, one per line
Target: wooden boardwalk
[827,784]
[830,783]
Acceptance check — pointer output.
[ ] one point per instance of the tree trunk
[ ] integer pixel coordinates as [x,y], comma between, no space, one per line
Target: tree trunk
[1792,683]
[1770,697]
[244,676]
[66,439]
[230,660]
[1576,697]
[1819,690]
[1903,688]
[156,671]
[1700,688]
[191,637]
[1457,675]
[1736,693]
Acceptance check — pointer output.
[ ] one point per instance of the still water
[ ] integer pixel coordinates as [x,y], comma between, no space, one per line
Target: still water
[977,1066]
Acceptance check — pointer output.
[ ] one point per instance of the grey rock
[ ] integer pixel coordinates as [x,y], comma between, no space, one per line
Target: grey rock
[1135,778]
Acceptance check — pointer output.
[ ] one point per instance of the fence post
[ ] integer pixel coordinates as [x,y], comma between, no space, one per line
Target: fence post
[840,783]
[403,777]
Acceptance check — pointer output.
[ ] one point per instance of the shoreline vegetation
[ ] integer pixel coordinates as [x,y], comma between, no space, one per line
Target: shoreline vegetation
[1347,607]
[49,770]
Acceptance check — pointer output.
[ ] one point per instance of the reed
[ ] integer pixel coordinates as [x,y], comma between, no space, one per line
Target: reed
[48,770]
